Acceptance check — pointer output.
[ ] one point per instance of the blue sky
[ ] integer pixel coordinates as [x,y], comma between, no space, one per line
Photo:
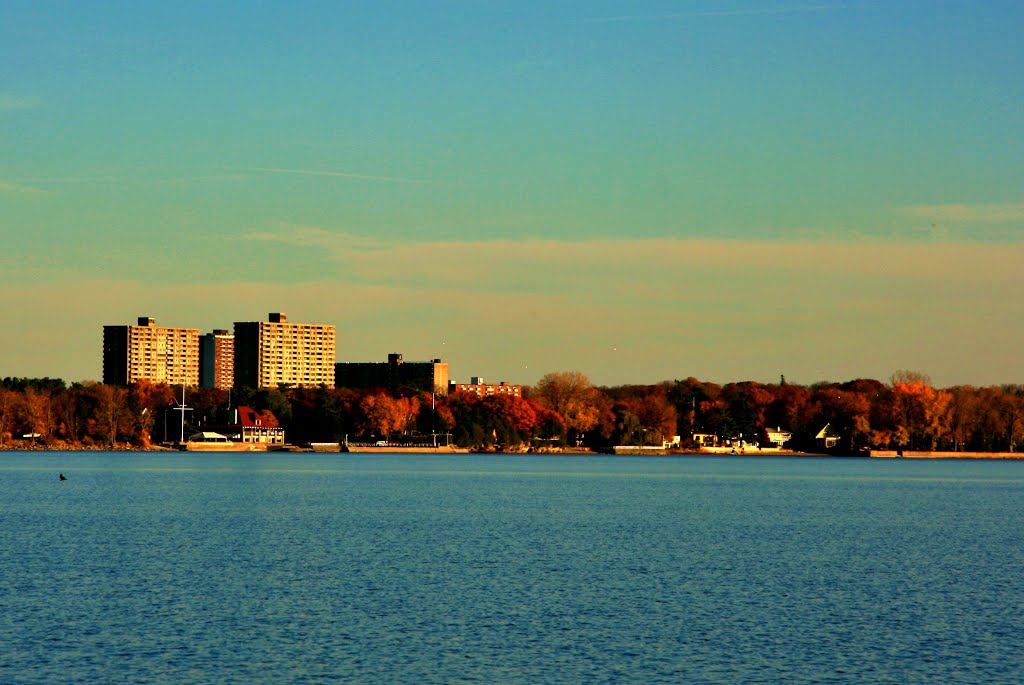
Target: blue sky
[641,191]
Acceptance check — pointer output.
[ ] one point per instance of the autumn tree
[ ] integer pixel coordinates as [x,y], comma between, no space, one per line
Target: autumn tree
[571,395]
[379,414]
[68,413]
[145,401]
[997,421]
[847,412]
[322,414]
[512,421]
[551,427]
[909,376]
[658,417]
[963,416]
[628,430]
[701,405]
[209,405]
[435,415]
[644,419]
[1013,419]
[744,409]
[467,414]
[38,412]
[603,433]
[109,412]
[788,409]
[275,399]
[922,414]
[10,402]
[406,411]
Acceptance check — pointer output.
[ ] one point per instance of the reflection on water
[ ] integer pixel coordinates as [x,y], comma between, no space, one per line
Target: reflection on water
[437,569]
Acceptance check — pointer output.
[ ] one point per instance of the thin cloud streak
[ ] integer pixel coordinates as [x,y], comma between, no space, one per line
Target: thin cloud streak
[674,16]
[19,189]
[297,235]
[135,180]
[8,103]
[481,260]
[335,174]
[991,213]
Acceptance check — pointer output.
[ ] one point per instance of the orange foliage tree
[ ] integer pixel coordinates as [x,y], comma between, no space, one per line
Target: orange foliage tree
[570,395]
[922,414]
[380,414]
[10,402]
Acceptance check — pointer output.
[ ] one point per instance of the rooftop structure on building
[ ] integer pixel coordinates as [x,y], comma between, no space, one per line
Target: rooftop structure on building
[394,375]
[161,354]
[478,387]
[276,352]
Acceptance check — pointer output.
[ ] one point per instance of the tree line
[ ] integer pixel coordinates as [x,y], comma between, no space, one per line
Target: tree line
[563,408]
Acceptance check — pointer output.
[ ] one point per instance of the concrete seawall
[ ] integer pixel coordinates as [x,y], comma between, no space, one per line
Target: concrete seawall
[225,447]
[404,450]
[910,454]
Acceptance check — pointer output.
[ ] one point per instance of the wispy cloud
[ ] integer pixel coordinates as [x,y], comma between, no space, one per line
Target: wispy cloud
[297,235]
[992,213]
[674,307]
[698,14]
[138,179]
[500,263]
[336,174]
[8,102]
[199,179]
[20,189]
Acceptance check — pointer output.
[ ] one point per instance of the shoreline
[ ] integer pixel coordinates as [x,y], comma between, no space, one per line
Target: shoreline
[251,448]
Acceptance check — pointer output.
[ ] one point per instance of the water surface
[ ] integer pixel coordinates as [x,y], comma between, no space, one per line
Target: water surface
[262,568]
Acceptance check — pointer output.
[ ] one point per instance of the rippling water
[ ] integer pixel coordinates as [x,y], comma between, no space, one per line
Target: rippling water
[240,568]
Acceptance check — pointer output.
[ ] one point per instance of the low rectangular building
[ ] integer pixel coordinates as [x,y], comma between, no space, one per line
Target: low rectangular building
[395,375]
[481,389]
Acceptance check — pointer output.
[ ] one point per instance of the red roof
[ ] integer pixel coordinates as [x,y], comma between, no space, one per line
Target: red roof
[247,416]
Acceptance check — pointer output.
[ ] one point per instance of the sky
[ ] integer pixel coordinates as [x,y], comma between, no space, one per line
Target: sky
[641,191]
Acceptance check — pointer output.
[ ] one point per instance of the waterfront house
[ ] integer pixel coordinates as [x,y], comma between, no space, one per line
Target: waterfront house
[827,437]
[777,436]
[250,427]
[705,439]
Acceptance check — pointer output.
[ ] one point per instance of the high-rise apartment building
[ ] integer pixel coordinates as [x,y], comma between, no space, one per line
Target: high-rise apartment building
[269,354]
[161,354]
[217,360]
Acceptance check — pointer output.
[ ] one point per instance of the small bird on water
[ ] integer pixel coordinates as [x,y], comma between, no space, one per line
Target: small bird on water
[62,477]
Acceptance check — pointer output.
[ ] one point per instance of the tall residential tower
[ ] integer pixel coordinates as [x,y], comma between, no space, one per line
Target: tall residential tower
[217,360]
[157,353]
[269,354]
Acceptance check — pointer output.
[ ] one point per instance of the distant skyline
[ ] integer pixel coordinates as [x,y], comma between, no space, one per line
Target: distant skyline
[641,191]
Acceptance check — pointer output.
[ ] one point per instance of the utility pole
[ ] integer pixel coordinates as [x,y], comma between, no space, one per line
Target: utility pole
[183,409]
